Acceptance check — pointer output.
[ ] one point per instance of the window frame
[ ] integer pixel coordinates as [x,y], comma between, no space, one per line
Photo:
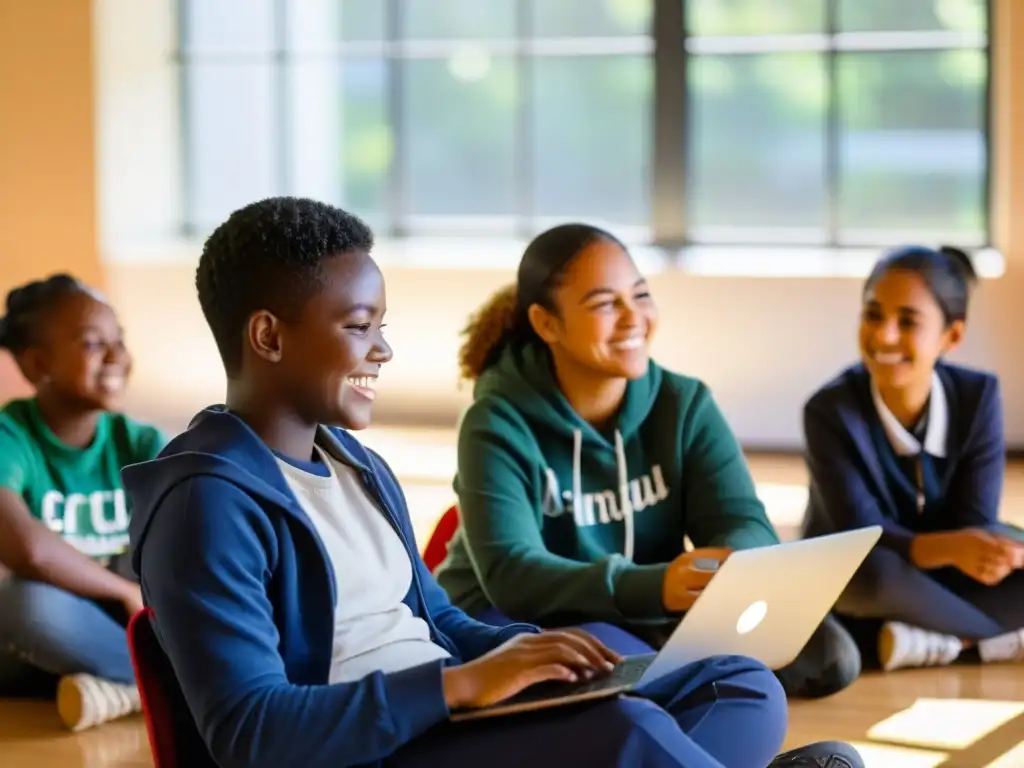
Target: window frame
[670,47]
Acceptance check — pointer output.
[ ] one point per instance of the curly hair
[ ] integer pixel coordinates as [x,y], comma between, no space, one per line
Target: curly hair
[486,332]
[27,307]
[270,255]
[502,321]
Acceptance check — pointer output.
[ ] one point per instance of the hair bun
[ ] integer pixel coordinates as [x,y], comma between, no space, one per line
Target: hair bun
[20,297]
[25,301]
[961,261]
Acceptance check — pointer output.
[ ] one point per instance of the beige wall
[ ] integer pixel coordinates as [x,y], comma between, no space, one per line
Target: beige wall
[47,146]
[763,344]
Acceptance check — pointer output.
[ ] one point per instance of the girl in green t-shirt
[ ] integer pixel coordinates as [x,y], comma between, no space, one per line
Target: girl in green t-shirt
[63,514]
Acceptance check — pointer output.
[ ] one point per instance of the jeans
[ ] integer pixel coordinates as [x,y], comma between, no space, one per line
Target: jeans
[46,633]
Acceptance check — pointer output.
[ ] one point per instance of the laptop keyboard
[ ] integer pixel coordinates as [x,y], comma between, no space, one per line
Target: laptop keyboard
[625,674]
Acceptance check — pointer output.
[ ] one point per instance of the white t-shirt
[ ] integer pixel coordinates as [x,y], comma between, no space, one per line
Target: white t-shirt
[373,629]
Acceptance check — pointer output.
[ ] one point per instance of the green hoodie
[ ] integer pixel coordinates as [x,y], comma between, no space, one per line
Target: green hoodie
[558,519]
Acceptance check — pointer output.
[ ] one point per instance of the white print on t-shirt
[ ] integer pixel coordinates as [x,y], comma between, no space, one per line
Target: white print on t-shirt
[62,514]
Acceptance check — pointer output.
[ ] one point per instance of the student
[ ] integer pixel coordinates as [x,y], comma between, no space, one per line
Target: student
[583,465]
[910,442]
[278,556]
[63,513]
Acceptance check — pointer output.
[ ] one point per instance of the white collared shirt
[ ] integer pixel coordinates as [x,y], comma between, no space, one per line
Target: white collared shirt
[903,442]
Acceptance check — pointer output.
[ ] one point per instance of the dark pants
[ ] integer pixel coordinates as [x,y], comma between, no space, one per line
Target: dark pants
[46,633]
[889,588]
[827,664]
[725,712]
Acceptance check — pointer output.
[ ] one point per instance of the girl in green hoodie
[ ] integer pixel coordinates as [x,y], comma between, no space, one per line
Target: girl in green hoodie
[583,465]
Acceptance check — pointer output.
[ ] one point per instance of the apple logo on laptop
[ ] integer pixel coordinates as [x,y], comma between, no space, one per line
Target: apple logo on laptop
[751,617]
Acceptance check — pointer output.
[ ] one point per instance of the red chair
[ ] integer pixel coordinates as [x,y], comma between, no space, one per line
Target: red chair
[174,739]
[437,546]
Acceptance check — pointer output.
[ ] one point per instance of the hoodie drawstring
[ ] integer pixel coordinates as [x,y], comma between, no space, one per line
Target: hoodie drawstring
[627,507]
[624,503]
[577,479]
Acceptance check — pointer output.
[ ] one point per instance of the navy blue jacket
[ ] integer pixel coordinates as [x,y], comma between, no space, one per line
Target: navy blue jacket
[848,488]
[244,594]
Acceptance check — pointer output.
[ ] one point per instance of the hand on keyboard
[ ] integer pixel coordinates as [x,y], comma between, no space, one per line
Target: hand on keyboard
[567,655]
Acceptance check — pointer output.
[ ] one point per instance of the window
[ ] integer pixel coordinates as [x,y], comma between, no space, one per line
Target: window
[850,122]
[817,122]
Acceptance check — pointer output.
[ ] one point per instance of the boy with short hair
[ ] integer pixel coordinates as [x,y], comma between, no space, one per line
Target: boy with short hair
[279,559]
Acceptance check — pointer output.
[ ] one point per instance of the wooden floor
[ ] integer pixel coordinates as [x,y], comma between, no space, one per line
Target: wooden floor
[962,717]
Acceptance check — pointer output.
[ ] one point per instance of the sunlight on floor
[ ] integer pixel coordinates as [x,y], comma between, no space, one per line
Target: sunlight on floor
[930,732]
[1014,758]
[883,756]
[785,504]
[949,724]
[415,455]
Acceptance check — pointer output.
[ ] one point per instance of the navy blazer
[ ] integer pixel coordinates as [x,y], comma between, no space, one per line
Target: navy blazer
[848,488]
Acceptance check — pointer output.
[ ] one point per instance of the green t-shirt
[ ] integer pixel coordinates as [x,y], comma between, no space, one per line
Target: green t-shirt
[75,492]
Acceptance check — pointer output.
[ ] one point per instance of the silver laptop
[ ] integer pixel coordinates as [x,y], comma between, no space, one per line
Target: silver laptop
[763,603]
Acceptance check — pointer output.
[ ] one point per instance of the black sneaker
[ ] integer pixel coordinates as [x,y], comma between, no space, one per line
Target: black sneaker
[823,754]
[827,664]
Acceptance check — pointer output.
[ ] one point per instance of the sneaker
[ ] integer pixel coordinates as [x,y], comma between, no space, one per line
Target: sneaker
[822,754]
[827,664]
[84,701]
[1008,647]
[901,645]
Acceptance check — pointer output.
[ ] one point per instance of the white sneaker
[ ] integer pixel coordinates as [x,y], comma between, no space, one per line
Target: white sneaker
[1003,648]
[901,645]
[84,701]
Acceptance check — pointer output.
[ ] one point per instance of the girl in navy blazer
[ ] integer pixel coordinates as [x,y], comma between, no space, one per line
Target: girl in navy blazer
[914,444]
